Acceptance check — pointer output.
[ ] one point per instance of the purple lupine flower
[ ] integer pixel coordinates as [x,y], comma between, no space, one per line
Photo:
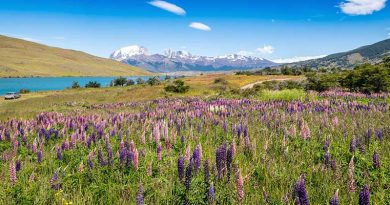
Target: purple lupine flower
[180,168]
[59,153]
[12,173]
[326,145]
[196,157]
[18,165]
[39,156]
[229,160]
[101,160]
[220,158]
[122,156]
[364,196]
[379,134]
[335,199]
[376,161]
[188,176]
[211,194]
[54,182]
[109,154]
[352,145]
[182,140]
[300,191]
[333,165]
[206,171]
[326,158]
[90,162]
[140,195]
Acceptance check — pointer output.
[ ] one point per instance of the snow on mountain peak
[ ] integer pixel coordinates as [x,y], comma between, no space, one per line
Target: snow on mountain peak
[177,54]
[129,51]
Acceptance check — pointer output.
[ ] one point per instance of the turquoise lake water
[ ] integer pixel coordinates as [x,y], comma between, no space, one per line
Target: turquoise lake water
[51,83]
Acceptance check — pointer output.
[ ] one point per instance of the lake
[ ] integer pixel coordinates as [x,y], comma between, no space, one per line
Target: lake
[52,83]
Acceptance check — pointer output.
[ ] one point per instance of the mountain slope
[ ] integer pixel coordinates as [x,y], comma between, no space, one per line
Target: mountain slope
[19,58]
[367,54]
[177,61]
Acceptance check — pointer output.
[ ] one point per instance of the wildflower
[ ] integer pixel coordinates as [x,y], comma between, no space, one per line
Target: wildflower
[364,196]
[53,182]
[89,161]
[335,198]
[59,153]
[18,165]
[376,160]
[101,161]
[239,186]
[211,194]
[229,160]
[300,191]
[12,172]
[149,170]
[220,158]
[206,171]
[39,156]
[326,158]
[333,165]
[351,178]
[379,134]
[196,157]
[136,159]
[109,154]
[188,176]
[180,168]
[352,145]
[140,195]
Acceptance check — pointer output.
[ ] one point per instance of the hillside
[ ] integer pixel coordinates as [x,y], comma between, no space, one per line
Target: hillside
[20,58]
[367,54]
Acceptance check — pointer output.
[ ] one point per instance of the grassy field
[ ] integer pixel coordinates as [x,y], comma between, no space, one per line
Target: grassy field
[19,58]
[142,145]
[33,103]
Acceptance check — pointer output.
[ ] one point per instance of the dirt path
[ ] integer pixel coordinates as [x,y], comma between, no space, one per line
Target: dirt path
[249,86]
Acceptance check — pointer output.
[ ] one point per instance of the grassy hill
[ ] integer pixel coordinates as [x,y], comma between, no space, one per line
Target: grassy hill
[367,54]
[19,58]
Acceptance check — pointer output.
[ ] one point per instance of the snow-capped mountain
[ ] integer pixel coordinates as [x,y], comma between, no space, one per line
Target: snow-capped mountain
[174,61]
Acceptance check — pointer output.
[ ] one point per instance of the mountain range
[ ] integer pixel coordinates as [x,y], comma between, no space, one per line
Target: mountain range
[20,58]
[367,54]
[174,61]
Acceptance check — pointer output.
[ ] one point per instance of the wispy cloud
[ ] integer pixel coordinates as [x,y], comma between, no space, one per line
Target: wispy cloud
[168,7]
[200,26]
[266,49]
[297,59]
[362,7]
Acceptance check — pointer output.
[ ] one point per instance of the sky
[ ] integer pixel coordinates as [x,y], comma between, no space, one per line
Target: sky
[280,30]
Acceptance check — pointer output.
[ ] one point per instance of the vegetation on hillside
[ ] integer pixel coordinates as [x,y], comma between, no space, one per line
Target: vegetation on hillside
[19,58]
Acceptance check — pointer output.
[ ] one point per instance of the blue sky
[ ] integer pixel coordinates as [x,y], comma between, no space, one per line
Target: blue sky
[270,29]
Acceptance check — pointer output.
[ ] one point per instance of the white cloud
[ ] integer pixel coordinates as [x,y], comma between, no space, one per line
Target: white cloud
[297,59]
[266,50]
[200,26]
[362,7]
[168,7]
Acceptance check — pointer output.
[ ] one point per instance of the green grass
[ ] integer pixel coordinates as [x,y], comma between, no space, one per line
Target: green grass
[19,58]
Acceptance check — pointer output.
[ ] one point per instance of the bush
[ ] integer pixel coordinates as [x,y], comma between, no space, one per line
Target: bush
[154,81]
[322,81]
[368,79]
[140,81]
[92,84]
[220,81]
[130,82]
[121,81]
[75,85]
[177,87]
[24,91]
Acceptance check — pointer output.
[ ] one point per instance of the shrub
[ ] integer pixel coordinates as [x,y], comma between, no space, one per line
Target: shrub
[220,81]
[75,85]
[24,91]
[130,82]
[121,81]
[322,81]
[92,84]
[368,79]
[140,81]
[154,81]
[178,86]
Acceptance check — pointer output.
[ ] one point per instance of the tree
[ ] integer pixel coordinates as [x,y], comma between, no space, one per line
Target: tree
[368,79]
[75,85]
[121,81]
[140,81]
[386,62]
[92,84]
[178,86]
[154,81]
[130,82]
